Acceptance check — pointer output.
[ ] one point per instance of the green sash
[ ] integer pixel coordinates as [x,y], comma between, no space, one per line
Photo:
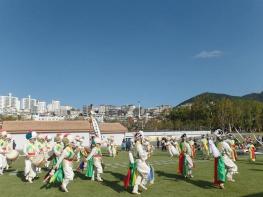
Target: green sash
[89,172]
[221,170]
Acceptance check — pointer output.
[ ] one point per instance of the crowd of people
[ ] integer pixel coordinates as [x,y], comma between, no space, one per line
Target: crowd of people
[60,153]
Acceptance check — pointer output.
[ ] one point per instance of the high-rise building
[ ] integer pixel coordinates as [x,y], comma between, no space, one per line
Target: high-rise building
[28,104]
[9,103]
[64,110]
[55,105]
[41,107]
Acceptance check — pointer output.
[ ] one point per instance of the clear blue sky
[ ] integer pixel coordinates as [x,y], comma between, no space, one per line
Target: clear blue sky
[122,51]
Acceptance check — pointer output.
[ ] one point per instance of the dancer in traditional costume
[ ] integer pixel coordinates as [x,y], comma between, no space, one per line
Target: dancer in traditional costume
[192,145]
[252,150]
[48,150]
[233,146]
[204,147]
[175,143]
[94,161]
[112,147]
[148,147]
[186,163]
[66,159]
[9,147]
[170,147]
[30,150]
[139,173]
[219,165]
[41,148]
[226,152]
[83,153]
[3,151]
[57,148]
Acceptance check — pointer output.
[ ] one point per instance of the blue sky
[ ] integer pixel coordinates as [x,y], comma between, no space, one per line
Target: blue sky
[121,51]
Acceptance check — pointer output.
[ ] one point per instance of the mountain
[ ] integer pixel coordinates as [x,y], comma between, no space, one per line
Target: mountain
[254,96]
[208,96]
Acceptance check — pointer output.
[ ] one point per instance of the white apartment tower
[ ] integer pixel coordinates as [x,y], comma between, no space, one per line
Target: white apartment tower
[28,104]
[41,107]
[9,104]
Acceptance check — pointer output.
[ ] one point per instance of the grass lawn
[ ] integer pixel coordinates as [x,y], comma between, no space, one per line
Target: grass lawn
[249,181]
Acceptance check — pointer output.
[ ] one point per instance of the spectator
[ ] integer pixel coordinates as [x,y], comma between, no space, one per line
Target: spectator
[123,145]
[158,143]
[14,145]
[128,144]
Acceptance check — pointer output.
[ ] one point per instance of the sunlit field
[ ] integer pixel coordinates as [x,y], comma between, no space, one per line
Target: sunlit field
[167,183]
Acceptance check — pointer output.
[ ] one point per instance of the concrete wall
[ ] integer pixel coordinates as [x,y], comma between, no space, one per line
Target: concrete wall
[117,137]
[154,134]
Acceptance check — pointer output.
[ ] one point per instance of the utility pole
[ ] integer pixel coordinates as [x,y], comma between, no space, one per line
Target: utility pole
[139,116]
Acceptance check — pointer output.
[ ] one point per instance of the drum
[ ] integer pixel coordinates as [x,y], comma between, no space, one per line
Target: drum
[38,160]
[12,155]
[85,151]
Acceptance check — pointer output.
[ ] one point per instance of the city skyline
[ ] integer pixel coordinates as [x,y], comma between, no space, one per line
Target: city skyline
[123,52]
[41,100]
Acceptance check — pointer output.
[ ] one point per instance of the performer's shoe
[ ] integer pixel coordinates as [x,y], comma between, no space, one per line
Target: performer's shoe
[221,186]
[30,180]
[63,188]
[99,179]
[143,187]
[231,180]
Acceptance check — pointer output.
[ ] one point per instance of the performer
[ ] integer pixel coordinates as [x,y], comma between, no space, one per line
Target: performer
[30,151]
[40,143]
[66,159]
[219,165]
[57,148]
[58,175]
[148,147]
[3,151]
[109,146]
[113,147]
[226,152]
[82,153]
[192,145]
[140,171]
[251,150]
[175,144]
[9,147]
[204,147]
[233,146]
[94,161]
[170,147]
[185,158]
[48,150]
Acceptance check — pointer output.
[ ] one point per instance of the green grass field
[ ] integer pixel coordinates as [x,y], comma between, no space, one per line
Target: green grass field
[249,181]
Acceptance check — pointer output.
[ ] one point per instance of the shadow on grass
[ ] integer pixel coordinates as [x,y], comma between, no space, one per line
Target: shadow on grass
[81,175]
[254,195]
[52,185]
[20,175]
[199,183]
[113,185]
[116,175]
[10,170]
[174,177]
[257,163]
[258,170]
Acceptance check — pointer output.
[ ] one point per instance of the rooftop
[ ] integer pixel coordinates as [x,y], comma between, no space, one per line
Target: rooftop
[60,126]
